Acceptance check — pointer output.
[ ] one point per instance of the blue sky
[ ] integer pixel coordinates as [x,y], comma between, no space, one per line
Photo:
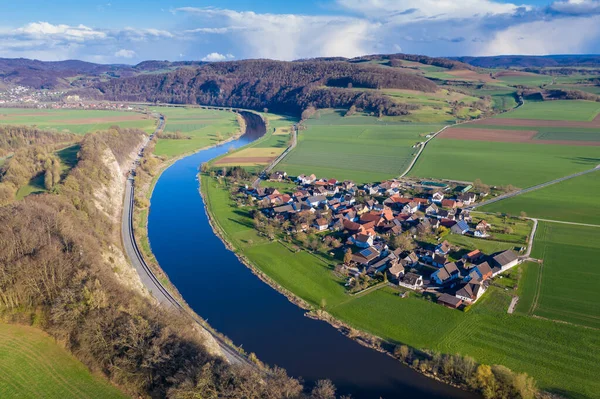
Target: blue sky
[129,31]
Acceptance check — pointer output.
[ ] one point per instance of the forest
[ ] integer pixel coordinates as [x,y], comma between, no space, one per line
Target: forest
[283,87]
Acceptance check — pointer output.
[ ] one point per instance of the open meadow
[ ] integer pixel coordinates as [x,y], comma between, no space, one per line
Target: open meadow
[32,365]
[358,147]
[565,287]
[74,120]
[561,357]
[574,200]
[558,110]
[198,127]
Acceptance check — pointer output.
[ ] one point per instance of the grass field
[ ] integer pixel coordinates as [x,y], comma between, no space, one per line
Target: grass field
[570,275]
[574,200]
[560,356]
[204,127]
[545,132]
[560,110]
[76,121]
[526,80]
[360,148]
[32,365]
[520,164]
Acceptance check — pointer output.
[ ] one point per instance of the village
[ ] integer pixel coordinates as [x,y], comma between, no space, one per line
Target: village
[392,232]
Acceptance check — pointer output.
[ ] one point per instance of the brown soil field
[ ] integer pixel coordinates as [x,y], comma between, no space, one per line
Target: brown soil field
[89,121]
[538,123]
[244,160]
[471,75]
[507,136]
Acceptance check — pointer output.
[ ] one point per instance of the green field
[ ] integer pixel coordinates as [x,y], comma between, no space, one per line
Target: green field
[32,365]
[204,127]
[526,80]
[360,148]
[520,164]
[560,356]
[560,110]
[546,132]
[574,200]
[570,275]
[75,121]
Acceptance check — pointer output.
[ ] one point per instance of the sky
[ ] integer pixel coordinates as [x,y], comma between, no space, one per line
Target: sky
[130,31]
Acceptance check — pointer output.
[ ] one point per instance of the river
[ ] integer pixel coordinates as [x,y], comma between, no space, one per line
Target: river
[234,301]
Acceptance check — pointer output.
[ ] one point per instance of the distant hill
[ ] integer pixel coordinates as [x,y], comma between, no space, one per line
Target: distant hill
[287,87]
[526,61]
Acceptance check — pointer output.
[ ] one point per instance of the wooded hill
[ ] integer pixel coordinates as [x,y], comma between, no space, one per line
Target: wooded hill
[15,137]
[283,87]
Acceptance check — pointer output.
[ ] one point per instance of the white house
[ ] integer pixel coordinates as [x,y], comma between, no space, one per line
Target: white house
[411,281]
[437,197]
[321,224]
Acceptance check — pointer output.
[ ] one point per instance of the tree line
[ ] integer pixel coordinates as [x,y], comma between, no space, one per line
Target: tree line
[13,138]
[282,87]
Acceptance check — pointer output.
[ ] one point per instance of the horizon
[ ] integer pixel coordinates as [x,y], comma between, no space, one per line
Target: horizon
[132,31]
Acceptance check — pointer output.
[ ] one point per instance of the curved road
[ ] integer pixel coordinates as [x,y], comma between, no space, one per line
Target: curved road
[150,281]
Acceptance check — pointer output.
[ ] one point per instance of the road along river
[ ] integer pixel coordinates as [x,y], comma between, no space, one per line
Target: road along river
[234,301]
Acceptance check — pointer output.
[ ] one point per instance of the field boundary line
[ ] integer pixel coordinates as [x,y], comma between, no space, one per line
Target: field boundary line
[416,157]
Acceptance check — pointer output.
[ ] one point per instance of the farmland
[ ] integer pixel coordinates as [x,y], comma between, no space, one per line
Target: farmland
[502,163]
[198,127]
[570,278]
[584,111]
[34,366]
[546,139]
[574,200]
[75,121]
[361,148]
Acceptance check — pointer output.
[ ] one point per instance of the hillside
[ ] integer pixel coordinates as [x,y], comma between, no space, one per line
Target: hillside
[529,61]
[286,87]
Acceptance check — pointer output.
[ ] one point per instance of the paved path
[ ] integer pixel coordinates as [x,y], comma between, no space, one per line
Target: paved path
[150,281]
[531,237]
[416,158]
[513,304]
[533,188]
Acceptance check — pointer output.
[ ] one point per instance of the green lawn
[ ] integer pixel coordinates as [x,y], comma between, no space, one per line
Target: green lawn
[570,279]
[205,127]
[75,121]
[360,148]
[559,110]
[530,272]
[35,186]
[32,365]
[574,200]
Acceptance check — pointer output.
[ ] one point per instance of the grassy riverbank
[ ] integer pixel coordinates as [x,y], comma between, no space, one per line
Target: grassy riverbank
[560,356]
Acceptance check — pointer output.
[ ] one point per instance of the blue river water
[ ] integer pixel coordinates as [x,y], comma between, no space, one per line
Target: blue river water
[234,301]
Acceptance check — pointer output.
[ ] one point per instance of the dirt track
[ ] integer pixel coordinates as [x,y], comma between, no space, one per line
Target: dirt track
[595,124]
[507,136]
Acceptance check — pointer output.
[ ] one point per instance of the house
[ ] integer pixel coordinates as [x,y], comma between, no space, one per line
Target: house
[481,234]
[283,210]
[483,270]
[366,256]
[445,214]
[409,259]
[461,227]
[467,198]
[437,197]
[451,204]
[410,208]
[443,248]
[411,280]
[470,292]
[439,260]
[315,200]
[277,176]
[362,240]
[303,179]
[395,272]
[447,273]
[483,225]
[505,260]
[432,209]
[473,256]
[321,224]
[449,301]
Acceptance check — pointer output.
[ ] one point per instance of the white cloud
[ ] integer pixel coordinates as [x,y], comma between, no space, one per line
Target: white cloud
[40,30]
[213,57]
[576,7]
[546,37]
[289,36]
[123,53]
